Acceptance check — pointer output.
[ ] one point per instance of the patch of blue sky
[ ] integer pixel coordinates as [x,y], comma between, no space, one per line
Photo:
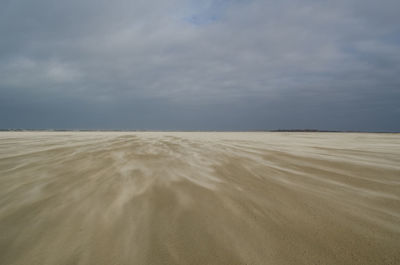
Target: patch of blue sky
[393,37]
[206,12]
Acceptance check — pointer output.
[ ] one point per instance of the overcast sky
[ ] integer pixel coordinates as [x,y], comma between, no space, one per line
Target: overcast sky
[200,65]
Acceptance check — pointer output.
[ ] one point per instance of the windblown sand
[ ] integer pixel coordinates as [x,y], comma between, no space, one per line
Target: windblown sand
[199,198]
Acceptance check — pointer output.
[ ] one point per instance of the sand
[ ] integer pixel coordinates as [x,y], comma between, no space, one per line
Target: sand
[199,198]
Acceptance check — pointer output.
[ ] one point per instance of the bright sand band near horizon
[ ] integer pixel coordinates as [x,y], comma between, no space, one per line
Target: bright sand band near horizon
[199,198]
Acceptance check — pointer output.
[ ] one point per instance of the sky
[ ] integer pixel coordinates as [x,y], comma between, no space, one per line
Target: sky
[200,65]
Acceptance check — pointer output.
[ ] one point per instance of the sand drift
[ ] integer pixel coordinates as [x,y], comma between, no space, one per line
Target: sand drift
[199,198]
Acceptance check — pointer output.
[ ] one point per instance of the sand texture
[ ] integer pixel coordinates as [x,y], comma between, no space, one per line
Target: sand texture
[109,198]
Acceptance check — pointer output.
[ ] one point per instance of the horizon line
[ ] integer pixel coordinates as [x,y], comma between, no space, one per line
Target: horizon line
[145,130]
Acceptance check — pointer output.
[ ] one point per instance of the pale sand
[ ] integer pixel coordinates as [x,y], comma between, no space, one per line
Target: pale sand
[199,198]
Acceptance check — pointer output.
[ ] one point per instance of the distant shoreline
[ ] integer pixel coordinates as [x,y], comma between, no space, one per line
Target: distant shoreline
[278,130]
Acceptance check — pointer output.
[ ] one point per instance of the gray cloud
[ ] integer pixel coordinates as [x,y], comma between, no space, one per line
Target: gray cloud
[227,65]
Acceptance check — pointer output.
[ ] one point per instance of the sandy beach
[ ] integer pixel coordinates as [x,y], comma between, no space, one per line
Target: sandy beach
[116,198]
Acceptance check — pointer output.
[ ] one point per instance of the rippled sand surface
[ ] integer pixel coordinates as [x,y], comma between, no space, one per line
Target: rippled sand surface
[199,198]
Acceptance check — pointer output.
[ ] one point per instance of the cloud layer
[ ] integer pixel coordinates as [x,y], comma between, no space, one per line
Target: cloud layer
[223,64]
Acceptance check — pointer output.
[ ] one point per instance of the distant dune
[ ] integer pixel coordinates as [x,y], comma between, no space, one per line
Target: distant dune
[199,198]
